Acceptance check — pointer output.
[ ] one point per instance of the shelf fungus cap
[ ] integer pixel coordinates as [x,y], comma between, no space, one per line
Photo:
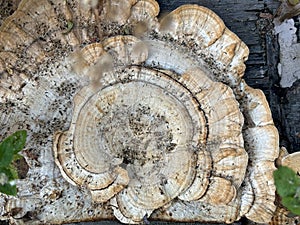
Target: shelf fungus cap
[151,118]
[121,138]
[164,125]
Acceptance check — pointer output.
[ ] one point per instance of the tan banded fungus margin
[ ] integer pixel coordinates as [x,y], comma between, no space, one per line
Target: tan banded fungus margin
[131,117]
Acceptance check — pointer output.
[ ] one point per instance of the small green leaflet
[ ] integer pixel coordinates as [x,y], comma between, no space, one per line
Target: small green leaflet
[10,172]
[293,204]
[9,149]
[69,27]
[11,146]
[287,184]
[8,189]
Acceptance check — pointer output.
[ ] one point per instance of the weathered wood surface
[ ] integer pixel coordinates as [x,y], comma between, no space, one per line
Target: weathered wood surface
[252,22]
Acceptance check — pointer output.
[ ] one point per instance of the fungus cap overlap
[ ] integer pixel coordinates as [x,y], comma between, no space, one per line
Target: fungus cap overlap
[146,117]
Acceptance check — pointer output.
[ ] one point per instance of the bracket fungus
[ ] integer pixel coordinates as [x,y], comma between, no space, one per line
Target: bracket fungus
[132,117]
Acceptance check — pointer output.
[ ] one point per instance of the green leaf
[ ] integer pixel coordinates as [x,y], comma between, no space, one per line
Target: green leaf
[10,171]
[297,195]
[292,204]
[70,25]
[286,181]
[10,146]
[17,157]
[8,189]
